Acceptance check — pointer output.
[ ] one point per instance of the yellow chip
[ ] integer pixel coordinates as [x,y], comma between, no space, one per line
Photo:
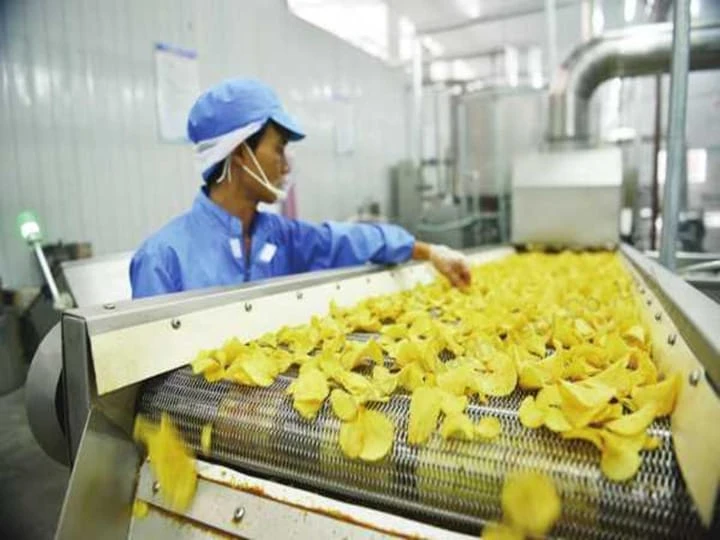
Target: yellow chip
[451,404]
[488,428]
[555,420]
[663,394]
[651,443]
[457,426]
[620,458]
[170,459]
[530,502]
[530,415]
[378,436]
[139,509]
[343,405]
[206,439]
[637,422]
[411,377]
[424,412]
[590,435]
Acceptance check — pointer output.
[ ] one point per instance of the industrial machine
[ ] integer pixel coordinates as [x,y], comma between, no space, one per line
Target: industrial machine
[268,474]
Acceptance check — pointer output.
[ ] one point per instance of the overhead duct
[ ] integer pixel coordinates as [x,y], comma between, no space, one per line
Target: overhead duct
[641,50]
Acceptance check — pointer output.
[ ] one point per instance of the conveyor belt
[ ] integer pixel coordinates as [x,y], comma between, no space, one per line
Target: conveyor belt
[455,484]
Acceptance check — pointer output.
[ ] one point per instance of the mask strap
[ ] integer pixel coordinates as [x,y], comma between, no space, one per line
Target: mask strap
[262,179]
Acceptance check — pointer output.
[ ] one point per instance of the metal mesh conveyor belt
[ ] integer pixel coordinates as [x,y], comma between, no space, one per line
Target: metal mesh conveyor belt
[455,484]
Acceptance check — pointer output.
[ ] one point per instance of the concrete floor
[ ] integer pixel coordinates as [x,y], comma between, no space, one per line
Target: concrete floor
[32,485]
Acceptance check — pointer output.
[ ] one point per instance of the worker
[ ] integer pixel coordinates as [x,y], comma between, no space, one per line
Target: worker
[240,131]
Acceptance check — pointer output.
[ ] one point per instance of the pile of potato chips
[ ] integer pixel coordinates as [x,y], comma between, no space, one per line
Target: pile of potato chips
[565,326]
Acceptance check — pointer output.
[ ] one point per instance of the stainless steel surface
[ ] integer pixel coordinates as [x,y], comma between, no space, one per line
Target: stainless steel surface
[697,317]
[100,494]
[567,198]
[450,483]
[99,319]
[708,266]
[639,50]
[99,280]
[76,378]
[676,149]
[41,397]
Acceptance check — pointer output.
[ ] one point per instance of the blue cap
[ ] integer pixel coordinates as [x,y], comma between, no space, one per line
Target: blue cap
[233,104]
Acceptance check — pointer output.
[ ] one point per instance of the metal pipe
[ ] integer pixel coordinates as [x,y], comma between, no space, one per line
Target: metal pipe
[655,193]
[416,136]
[676,132]
[640,50]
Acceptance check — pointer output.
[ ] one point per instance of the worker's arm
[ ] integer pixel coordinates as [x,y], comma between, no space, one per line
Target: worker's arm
[337,245]
[151,274]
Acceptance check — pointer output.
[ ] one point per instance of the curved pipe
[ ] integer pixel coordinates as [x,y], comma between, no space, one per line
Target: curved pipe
[641,50]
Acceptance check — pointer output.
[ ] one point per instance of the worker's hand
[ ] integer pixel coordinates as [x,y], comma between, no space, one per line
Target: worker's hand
[451,264]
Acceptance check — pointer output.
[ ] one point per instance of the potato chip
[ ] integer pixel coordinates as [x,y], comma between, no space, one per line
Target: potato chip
[309,391]
[637,422]
[663,394]
[454,380]
[530,502]
[488,428]
[555,420]
[206,439]
[457,426]
[368,437]
[651,443]
[139,509]
[591,435]
[452,404]
[171,461]
[424,412]
[383,380]
[411,377]
[620,457]
[343,405]
[530,414]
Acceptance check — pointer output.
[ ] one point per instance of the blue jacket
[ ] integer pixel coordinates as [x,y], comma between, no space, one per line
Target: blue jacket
[204,248]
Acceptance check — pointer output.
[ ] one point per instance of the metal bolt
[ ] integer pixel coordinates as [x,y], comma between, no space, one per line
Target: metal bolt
[694,377]
[337,286]
[109,306]
[642,290]
[248,307]
[672,338]
[658,316]
[175,323]
[155,487]
[299,295]
[367,280]
[649,301]
[238,514]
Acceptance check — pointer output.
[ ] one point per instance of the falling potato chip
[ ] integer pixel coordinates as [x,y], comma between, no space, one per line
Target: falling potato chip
[488,428]
[343,405]
[424,412]
[205,439]
[530,414]
[530,502]
[171,461]
[637,422]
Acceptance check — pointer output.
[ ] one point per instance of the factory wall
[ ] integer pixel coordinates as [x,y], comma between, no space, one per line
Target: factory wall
[78,129]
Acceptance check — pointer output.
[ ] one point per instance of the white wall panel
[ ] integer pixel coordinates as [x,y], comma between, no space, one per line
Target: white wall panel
[78,133]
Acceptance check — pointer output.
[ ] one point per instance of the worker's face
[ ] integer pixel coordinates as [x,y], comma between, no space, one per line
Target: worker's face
[270,155]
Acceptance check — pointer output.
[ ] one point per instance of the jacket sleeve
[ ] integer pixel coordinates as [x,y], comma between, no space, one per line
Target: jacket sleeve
[336,245]
[153,273]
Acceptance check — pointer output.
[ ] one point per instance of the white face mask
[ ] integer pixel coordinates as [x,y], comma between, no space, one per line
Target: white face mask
[280,194]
